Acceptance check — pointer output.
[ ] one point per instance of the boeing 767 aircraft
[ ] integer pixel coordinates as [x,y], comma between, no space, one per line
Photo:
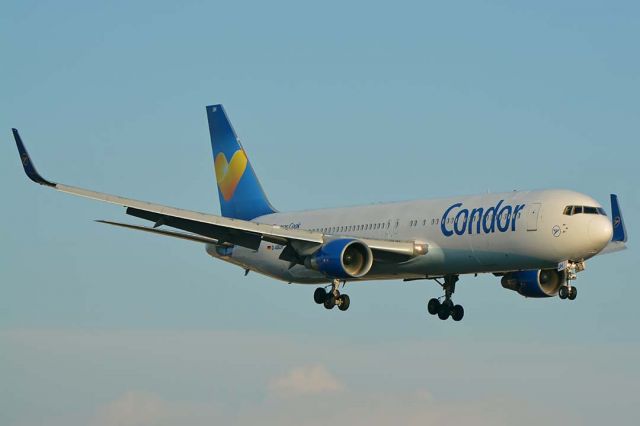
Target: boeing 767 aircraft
[536,241]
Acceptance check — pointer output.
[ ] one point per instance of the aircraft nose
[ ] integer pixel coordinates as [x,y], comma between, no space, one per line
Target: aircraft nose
[600,232]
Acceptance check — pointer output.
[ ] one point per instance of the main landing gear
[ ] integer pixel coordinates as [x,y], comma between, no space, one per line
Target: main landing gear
[446,308]
[331,298]
[568,291]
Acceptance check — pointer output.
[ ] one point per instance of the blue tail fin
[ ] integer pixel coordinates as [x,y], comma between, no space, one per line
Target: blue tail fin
[241,195]
[619,230]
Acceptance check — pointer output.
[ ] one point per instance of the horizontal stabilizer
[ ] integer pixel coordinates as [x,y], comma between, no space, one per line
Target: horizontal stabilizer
[613,247]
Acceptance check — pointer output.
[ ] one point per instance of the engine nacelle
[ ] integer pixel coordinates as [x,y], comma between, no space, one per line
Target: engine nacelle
[537,283]
[342,258]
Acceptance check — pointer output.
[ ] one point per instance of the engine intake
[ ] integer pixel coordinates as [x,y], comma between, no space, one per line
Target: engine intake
[341,258]
[536,283]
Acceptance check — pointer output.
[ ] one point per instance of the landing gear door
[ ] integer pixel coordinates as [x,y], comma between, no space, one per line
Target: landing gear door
[533,212]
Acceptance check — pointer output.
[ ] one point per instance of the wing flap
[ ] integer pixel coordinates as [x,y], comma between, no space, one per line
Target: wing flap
[174,234]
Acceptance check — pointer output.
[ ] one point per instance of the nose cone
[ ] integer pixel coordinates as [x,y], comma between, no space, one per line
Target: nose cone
[600,232]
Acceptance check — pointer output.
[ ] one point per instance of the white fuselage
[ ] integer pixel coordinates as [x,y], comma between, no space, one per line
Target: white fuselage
[520,230]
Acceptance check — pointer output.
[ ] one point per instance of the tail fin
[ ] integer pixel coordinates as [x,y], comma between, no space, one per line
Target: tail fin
[619,230]
[241,195]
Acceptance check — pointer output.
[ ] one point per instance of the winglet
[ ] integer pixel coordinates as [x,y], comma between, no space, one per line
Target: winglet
[619,230]
[27,164]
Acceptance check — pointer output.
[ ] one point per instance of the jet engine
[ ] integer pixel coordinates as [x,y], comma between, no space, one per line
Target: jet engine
[536,283]
[341,258]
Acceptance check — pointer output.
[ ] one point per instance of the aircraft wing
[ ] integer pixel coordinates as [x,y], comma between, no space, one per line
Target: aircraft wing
[220,229]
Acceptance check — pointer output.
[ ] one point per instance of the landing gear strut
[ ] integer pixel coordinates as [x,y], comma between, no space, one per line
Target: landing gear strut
[446,308]
[332,298]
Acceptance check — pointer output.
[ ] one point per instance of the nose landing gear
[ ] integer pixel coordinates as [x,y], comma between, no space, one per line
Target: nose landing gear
[332,298]
[569,291]
[446,308]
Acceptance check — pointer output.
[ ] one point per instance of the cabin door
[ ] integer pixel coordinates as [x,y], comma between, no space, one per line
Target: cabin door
[533,213]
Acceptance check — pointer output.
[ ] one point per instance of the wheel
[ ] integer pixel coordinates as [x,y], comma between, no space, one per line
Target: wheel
[330,302]
[449,304]
[444,311]
[433,306]
[344,302]
[319,296]
[573,293]
[563,293]
[457,312]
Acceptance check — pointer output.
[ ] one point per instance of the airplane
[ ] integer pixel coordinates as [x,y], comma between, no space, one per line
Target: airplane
[535,241]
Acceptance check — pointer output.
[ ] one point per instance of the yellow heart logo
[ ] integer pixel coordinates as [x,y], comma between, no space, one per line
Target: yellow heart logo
[228,174]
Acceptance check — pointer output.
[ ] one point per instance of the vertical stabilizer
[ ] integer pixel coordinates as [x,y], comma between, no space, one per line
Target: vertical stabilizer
[240,192]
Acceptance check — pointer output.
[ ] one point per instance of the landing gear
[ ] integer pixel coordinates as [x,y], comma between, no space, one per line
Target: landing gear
[573,293]
[563,292]
[446,308]
[457,312]
[320,295]
[332,298]
[569,291]
[344,302]
[433,306]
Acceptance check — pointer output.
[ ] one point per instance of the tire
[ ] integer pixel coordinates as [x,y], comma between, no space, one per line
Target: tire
[433,306]
[457,312]
[444,311]
[319,296]
[344,302]
[563,293]
[330,302]
[573,293]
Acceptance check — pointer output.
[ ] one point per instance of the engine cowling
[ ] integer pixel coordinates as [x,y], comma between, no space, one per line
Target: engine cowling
[342,258]
[536,283]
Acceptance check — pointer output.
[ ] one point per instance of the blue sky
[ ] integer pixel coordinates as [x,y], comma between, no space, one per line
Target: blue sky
[416,99]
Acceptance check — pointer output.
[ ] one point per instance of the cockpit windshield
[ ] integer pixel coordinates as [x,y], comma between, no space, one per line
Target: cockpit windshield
[571,210]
